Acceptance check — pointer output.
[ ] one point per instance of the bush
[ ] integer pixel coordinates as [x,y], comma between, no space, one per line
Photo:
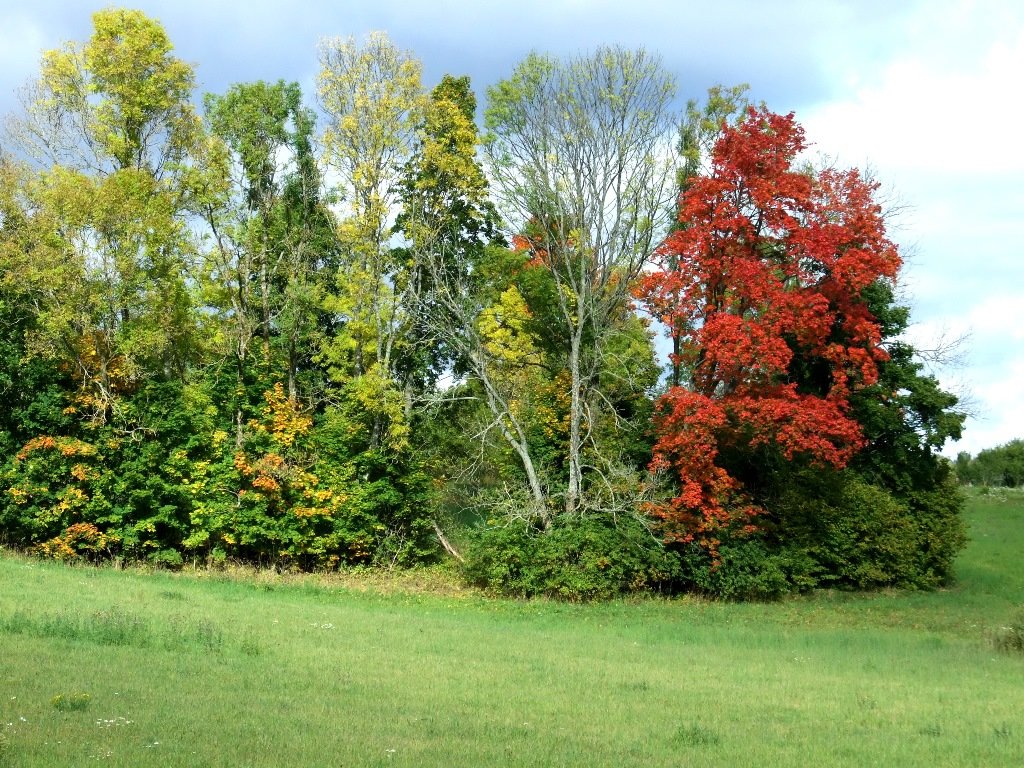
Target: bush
[864,536]
[589,558]
[941,532]
[834,529]
[47,487]
[79,541]
[747,569]
[859,534]
[1010,639]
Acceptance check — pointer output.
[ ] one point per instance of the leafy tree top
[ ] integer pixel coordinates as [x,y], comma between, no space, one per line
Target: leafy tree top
[764,284]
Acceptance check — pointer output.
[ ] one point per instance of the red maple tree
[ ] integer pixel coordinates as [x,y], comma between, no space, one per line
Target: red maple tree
[763,283]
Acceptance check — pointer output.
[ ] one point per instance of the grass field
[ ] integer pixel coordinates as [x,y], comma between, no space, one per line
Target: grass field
[157,669]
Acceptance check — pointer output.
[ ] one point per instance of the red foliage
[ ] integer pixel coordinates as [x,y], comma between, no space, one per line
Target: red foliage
[764,275]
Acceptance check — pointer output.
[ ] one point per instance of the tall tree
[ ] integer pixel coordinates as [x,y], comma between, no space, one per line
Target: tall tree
[579,154]
[374,100]
[766,282]
[469,317]
[700,130]
[111,129]
[446,219]
[272,235]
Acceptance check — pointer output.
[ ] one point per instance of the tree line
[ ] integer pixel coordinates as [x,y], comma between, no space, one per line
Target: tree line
[370,331]
[999,466]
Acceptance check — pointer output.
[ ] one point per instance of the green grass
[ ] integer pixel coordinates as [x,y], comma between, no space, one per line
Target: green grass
[157,669]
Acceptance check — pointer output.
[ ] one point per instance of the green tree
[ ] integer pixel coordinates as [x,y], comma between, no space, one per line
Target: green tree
[447,222]
[111,130]
[374,100]
[905,416]
[272,236]
[1002,465]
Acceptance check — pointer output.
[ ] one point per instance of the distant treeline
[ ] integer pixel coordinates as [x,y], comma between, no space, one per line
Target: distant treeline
[1001,466]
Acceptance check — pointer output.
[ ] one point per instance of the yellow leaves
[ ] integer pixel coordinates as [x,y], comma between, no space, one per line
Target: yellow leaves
[122,94]
[71,499]
[503,328]
[62,66]
[69,195]
[99,252]
[279,474]
[375,394]
[241,463]
[323,503]
[20,496]
[62,79]
[516,362]
[266,483]
[553,405]
[374,99]
[128,58]
[67,447]
[448,150]
[373,96]
[284,418]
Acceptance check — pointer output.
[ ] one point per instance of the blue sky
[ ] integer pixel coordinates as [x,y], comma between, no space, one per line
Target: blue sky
[925,94]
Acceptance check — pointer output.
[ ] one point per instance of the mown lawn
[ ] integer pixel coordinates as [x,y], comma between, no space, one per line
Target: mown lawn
[207,670]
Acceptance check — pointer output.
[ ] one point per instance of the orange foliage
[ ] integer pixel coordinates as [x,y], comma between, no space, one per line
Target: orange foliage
[280,475]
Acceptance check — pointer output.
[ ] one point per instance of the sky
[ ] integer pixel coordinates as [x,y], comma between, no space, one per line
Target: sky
[925,94]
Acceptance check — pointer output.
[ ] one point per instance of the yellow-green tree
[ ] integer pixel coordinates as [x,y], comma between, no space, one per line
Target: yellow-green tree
[446,221]
[372,95]
[110,129]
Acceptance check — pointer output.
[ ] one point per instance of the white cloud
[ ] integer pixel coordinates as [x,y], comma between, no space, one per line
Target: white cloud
[991,371]
[947,101]
[1000,412]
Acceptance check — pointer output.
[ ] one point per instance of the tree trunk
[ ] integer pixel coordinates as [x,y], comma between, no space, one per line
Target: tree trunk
[517,442]
[293,354]
[575,487]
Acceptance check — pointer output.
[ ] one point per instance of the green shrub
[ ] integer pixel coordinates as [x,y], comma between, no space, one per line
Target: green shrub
[834,529]
[747,569]
[167,558]
[70,702]
[941,532]
[588,558]
[865,536]
[862,538]
[1010,639]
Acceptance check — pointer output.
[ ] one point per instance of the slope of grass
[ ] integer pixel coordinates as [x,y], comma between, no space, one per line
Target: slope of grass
[193,670]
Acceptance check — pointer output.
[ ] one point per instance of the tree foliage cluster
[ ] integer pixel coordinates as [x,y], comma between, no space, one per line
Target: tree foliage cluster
[231,333]
[999,466]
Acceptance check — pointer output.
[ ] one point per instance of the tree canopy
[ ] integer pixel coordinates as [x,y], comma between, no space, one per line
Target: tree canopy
[364,331]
